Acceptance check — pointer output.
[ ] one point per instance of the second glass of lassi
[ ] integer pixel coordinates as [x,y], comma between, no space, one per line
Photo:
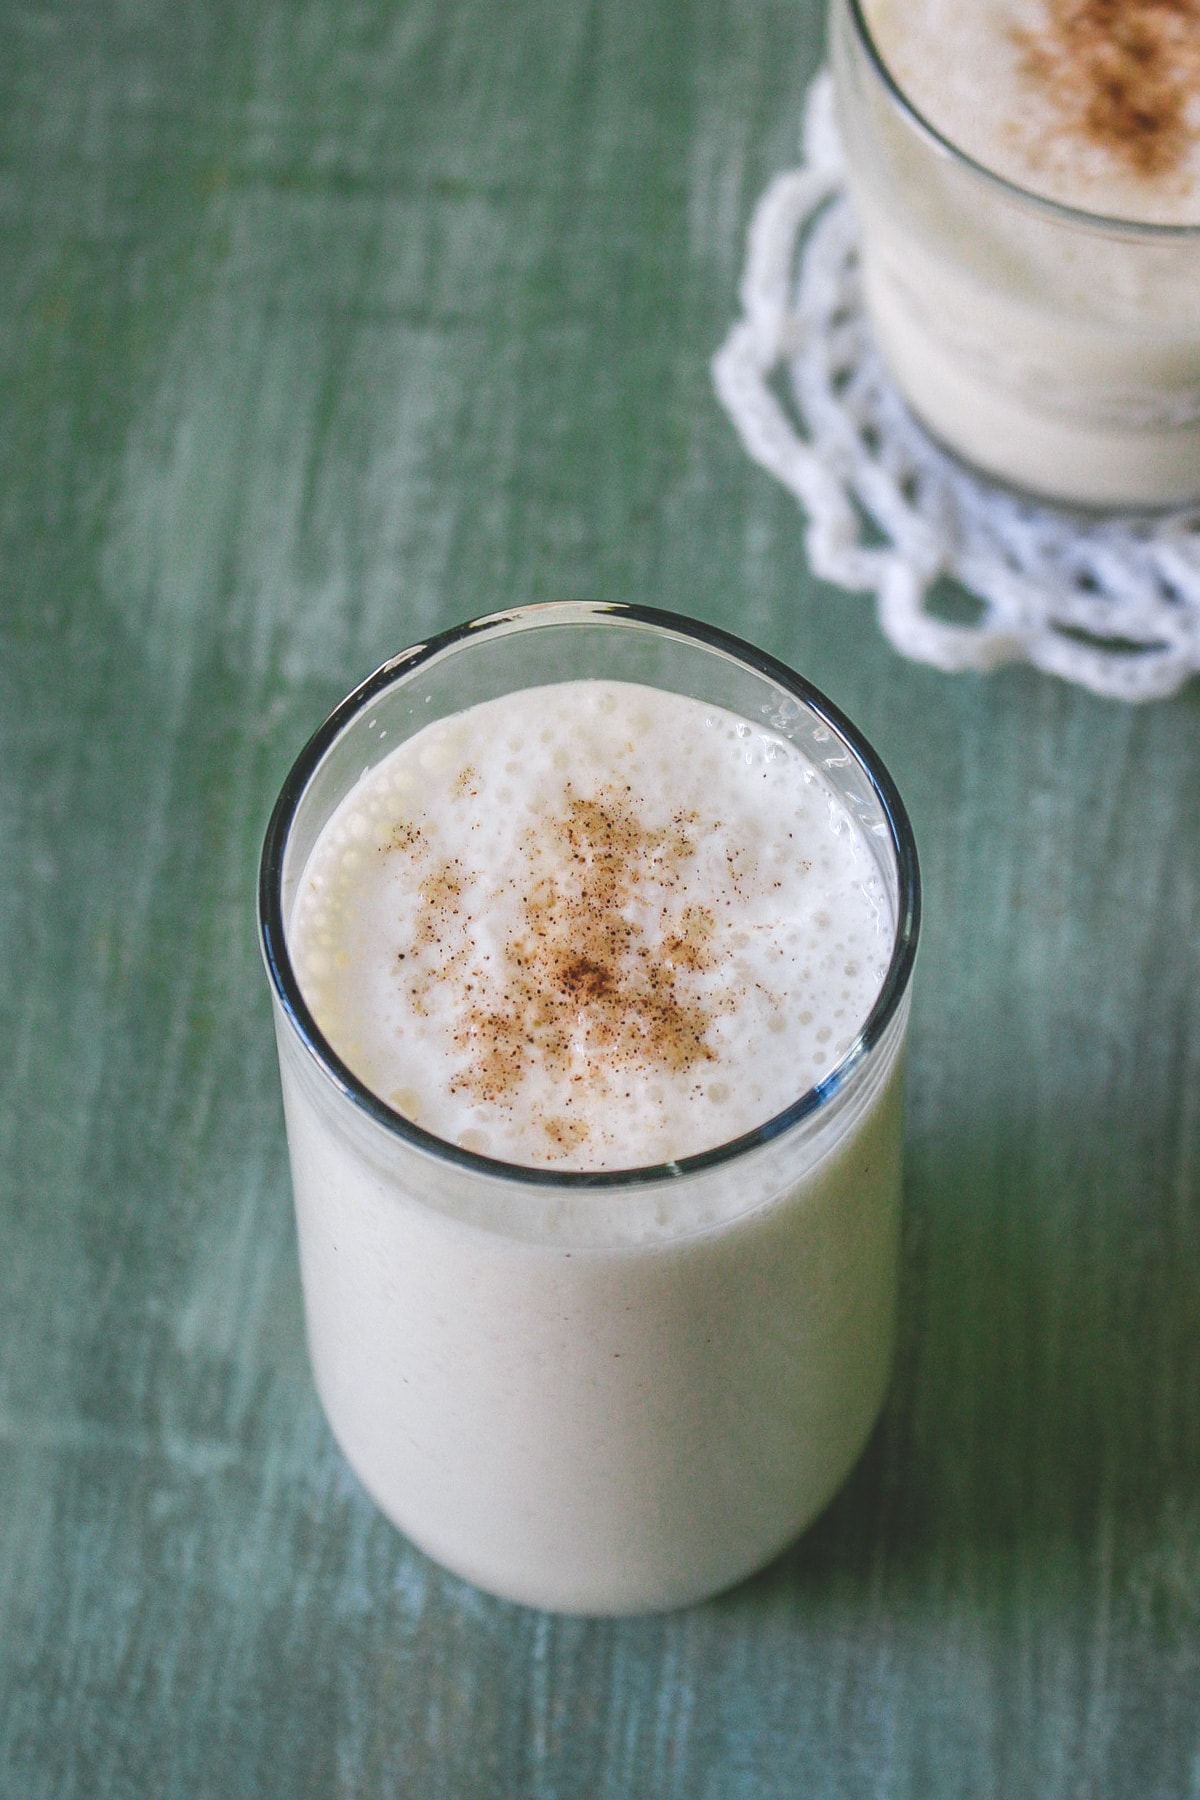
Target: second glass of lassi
[1026,175]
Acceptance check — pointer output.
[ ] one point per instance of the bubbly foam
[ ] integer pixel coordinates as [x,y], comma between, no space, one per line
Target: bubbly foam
[592,925]
[1093,105]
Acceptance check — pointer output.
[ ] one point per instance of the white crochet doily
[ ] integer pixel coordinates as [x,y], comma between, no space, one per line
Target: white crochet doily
[1111,603]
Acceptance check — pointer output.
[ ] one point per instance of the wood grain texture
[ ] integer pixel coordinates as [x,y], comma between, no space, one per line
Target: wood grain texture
[323,325]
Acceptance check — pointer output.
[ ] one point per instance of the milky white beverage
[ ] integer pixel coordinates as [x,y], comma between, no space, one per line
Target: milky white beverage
[590,1033]
[1027,174]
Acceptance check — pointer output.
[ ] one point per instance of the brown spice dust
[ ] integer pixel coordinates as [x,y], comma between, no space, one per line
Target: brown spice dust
[593,982]
[1123,74]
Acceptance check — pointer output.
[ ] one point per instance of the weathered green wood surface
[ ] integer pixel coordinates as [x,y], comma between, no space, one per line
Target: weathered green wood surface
[323,323]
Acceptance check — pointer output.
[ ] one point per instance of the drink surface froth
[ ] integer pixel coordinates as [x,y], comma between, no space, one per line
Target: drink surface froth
[593,925]
[1093,103]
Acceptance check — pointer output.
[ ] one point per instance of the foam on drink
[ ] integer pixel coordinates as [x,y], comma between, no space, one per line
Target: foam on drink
[591,925]
[1091,104]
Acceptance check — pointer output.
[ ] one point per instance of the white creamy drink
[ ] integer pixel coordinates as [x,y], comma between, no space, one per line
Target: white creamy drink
[547,932]
[1032,261]
[568,931]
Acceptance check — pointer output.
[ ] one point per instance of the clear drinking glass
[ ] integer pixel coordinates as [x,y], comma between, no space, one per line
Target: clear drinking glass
[597,1392]
[1055,349]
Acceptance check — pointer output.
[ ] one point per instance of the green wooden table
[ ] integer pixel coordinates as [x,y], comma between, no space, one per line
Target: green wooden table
[325,323]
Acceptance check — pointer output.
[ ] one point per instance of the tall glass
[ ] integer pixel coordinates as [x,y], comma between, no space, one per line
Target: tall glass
[596,1391]
[1052,348]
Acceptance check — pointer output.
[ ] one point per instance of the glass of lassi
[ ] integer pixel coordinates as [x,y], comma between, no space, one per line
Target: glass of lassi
[1026,175]
[589,932]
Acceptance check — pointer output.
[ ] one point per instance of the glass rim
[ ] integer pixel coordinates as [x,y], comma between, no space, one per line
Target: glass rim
[281,972]
[1078,217]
